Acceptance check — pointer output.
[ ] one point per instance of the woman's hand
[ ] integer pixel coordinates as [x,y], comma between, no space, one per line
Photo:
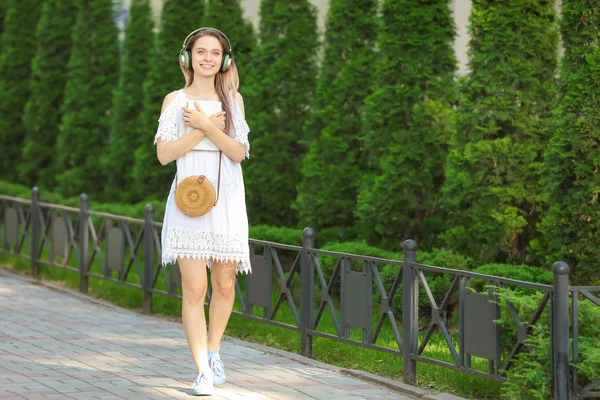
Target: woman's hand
[196,118]
[218,120]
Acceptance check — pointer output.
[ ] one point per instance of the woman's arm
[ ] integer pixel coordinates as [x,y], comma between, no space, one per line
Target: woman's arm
[231,147]
[167,151]
[171,151]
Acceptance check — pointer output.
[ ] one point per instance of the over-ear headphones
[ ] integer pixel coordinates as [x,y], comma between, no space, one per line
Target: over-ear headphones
[185,56]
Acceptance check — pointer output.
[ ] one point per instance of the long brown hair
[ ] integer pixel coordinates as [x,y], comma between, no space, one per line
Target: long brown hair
[225,82]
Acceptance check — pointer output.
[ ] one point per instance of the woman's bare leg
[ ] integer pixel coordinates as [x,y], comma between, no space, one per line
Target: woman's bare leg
[193,285]
[222,279]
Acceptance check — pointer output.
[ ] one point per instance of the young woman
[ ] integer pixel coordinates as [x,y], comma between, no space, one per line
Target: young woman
[219,239]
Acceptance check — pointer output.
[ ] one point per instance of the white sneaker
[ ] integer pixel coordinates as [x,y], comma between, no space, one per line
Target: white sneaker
[203,384]
[218,371]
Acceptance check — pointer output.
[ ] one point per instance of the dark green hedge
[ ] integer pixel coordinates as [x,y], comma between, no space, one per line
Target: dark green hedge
[19,44]
[128,102]
[41,116]
[92,75]
[571,180]
[333,168]
[281,84]
[492,193]
[378,180]
[406,124]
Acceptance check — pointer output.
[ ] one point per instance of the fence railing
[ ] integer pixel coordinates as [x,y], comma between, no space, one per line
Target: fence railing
[399,307]
[578,292]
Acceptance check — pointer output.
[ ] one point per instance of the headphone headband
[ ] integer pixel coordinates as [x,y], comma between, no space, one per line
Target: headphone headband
[185,42]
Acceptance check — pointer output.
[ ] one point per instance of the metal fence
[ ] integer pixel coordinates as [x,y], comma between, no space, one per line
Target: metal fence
[348,298]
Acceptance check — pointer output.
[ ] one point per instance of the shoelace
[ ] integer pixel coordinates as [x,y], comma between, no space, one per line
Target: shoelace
[217,365]
[201,379]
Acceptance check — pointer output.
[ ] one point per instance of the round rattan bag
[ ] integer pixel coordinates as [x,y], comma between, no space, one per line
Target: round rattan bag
[195,196]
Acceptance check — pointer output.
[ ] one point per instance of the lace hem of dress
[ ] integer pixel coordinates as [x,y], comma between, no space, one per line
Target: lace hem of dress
[208,246]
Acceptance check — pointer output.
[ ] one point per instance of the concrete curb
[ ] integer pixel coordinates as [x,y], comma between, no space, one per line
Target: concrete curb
[400,387]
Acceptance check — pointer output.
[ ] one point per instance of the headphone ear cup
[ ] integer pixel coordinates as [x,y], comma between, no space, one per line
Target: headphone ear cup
[225,62]
[186,59]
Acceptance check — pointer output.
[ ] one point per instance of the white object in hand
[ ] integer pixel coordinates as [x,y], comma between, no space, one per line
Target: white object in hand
[209,107]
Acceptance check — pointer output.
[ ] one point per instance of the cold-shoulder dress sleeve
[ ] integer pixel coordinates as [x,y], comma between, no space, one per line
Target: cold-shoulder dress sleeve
[167,123]
[241,127]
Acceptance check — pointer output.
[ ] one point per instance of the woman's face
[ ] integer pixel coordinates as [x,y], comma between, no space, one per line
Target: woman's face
[206,55]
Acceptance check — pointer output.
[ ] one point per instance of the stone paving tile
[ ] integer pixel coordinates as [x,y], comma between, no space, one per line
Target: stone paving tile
[55,346]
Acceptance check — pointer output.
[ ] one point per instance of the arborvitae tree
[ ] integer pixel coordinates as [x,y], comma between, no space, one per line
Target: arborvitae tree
[492,193]
[571,178]
[41,117]
[333,166]
[406,123]
[91,78]
[3,6]
[18,49]
[178,19]
[281,87]
[2,14]
[227,16]
[125,134]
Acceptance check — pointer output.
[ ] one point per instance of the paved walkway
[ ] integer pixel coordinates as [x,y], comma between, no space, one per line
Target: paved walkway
[56,345]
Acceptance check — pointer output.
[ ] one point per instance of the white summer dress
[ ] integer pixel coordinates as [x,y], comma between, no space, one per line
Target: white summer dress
[222,233]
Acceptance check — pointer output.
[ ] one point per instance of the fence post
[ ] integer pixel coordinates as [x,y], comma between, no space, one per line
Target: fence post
[560,320]
[148,258]
[35,232]
[410,312]
[306,292]
[83,243]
